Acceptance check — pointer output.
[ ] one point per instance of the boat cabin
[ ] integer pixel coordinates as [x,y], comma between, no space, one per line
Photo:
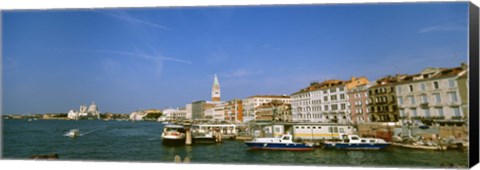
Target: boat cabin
[357,139]
[286,139]
[174,128]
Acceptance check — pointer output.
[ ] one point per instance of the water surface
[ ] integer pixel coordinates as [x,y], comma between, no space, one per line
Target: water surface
[141,142]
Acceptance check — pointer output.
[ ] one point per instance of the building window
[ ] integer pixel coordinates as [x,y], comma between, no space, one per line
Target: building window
[333,97]
[341,89]
[399,89]
[424,99]
[412,99]
[453,96]
[325,98]
[326,107]
[414,112]
[426,112]
[411,87]
[422,86]
[400,100]
[438,99]
[334,107]
[440,111]
[451,83]
[435,85]
[342,96]
[325,91]
[343,107]
[402,112]
[456,111]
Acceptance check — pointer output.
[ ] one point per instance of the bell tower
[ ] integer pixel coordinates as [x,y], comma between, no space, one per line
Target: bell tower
[215,90]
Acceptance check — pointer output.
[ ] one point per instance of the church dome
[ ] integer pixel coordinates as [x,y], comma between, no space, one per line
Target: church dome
[93,108]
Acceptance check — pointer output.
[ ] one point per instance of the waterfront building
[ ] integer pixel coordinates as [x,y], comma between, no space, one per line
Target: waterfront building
[274,111]
[198,109]
[85,113]
[171,114]
[357,98]
[325,102]
[203,109]
[249,104]
[138,115]
[189,111]
[208,114]
[462,82]
[382,105]
[218,112]
[435,95]
[233,111]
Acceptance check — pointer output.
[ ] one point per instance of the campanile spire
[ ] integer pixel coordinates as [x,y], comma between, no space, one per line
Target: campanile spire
[215,89]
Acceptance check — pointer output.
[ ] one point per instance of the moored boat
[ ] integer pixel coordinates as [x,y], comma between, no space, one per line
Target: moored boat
[282,143]
[203,138]
[354,142]
[173,135]
[423,147]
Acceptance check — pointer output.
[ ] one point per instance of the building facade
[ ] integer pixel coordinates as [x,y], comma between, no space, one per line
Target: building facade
[435,95]
[325,102]
[171,114]
[274,111]
[382,100]
[188,110]
[234,111]
[249,104]
[358,104]
[85,113]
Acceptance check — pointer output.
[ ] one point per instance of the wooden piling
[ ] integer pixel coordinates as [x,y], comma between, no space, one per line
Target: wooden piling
[177,159]
[188,136]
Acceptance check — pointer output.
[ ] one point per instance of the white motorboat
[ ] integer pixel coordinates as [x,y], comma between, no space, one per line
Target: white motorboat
[173,135]
[354,142]
[282,143]
[73,133]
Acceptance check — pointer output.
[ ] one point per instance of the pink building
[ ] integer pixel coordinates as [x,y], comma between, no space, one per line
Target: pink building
[357,97]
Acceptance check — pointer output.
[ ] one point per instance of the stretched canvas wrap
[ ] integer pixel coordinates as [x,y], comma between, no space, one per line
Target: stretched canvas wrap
[304,85]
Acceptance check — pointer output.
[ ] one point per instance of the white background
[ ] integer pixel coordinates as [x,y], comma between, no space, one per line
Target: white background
[63,4]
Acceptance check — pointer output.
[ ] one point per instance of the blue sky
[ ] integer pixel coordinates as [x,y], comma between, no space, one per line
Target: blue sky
[141,58]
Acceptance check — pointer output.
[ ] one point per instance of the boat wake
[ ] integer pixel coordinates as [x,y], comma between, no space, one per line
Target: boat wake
[86,133]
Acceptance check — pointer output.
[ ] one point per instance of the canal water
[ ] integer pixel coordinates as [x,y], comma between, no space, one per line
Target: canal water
[122,141]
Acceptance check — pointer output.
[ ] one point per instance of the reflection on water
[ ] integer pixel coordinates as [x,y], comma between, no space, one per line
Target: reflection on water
[140,141]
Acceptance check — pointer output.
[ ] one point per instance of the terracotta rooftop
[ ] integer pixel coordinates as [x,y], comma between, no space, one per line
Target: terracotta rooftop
[270,96]
[441,73]
[323,85]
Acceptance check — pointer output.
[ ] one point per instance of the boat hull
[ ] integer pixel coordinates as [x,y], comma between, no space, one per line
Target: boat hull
[203,139]
[198,140]
[356,146]
[420,147]
[173,141]
[279,146]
